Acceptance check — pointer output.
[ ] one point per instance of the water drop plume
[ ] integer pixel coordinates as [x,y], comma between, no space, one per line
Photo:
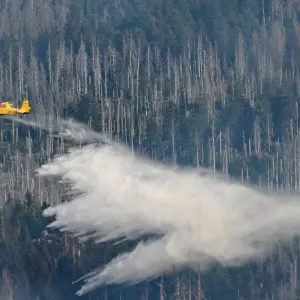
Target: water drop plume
[57,127]
[194,218]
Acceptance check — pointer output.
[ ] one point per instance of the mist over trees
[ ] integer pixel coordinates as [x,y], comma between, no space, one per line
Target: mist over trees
[200,83]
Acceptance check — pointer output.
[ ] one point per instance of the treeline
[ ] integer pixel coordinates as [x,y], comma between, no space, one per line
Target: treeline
[228,108]
[32,262]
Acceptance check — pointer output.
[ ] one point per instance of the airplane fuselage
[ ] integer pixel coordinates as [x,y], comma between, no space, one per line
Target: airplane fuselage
[7,108]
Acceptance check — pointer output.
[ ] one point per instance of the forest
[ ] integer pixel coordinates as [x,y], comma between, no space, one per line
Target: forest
[193,82]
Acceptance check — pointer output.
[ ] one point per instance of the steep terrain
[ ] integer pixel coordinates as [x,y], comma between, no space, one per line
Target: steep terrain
[189,82]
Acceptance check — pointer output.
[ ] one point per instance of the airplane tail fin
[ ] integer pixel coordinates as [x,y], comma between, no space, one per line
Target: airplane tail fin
[25,108]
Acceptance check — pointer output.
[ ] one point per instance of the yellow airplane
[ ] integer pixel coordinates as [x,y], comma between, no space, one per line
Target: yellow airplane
[7,108]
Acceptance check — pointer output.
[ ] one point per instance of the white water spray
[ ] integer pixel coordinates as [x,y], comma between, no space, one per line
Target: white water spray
[199,219]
